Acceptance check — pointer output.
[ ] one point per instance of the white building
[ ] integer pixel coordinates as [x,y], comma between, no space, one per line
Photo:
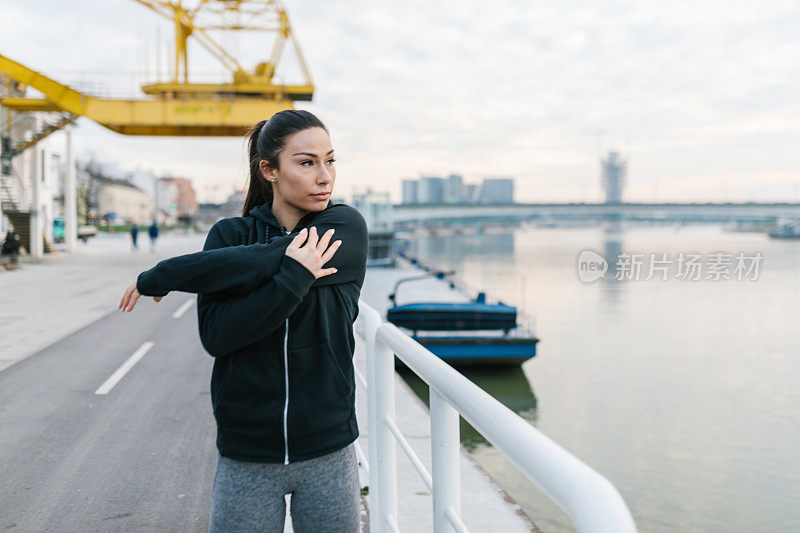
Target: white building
[430,190]
[497,191]
[613,171]
[376,208]
[454,189]
[39,181]
[123,202]
[144,180]
[167,202]
[470,193]
[410,192]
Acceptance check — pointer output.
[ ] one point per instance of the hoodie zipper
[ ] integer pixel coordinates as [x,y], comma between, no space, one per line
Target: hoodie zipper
[286,380]
[286,405]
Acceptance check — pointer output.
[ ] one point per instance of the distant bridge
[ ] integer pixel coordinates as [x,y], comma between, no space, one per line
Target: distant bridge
[688,212]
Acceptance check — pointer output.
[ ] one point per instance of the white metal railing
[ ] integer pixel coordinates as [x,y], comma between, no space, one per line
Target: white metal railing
[590,500]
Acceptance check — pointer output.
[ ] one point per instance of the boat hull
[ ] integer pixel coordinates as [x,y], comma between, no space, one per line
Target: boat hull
[480,351]
[457,317]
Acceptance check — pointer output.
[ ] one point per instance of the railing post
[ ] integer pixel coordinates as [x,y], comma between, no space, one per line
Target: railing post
[70,193]
[371,320]
[386,456]
[445,461]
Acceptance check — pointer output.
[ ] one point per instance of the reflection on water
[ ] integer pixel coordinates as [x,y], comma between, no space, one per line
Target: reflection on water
[683,393]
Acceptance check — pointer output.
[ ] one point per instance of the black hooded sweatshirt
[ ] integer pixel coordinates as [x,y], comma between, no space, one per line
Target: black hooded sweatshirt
[282,387]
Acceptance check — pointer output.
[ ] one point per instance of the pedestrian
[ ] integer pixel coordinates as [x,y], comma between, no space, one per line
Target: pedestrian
[11,245]
[152,231]
[277,298]
[134,235]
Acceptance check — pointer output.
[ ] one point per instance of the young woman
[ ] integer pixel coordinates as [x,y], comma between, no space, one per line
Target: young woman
[278,293]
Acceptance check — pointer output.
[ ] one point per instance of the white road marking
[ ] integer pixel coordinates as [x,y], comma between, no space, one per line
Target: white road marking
[119,373]
[182,309]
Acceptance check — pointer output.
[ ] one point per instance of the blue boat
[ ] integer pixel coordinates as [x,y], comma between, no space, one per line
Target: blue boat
[785,231]
[465,333]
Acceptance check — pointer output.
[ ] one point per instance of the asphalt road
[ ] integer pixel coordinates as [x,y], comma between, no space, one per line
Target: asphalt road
[140,457]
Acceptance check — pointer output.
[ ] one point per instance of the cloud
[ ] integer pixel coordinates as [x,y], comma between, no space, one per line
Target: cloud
[700,89]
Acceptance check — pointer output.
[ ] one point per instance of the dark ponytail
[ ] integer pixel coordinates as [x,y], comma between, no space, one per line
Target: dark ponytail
[266,139]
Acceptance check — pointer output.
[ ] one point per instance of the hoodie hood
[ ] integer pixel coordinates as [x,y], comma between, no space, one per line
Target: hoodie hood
[264,213]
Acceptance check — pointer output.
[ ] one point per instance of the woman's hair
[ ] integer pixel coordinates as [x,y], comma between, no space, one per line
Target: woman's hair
[266,140]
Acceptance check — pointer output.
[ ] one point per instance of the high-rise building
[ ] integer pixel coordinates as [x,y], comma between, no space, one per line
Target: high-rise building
[430,190]
[454,189]
[470,193]
[613,170]
[410,192]
[497,191]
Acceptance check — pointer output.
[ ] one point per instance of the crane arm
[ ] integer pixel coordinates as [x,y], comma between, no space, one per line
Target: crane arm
[184,19]
[300,58]
[175,13]
[212,46]
[65,97]
[159,8]
[198,7]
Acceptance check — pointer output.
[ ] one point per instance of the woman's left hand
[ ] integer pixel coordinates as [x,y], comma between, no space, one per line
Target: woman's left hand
[131,295]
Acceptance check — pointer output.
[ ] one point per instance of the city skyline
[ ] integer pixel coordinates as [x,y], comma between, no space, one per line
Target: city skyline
[540,93]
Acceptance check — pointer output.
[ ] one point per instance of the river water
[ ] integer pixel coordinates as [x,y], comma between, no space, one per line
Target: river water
[683,392]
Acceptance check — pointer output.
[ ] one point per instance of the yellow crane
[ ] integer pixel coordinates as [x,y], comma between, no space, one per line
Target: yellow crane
[178,107]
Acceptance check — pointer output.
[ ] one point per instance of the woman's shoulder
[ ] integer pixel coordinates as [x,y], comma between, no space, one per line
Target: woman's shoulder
[234,224]
[231,231]
[343,210]
[343,213]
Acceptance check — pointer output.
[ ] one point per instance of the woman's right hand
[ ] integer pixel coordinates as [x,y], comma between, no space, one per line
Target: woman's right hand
[312,251]
[130,296]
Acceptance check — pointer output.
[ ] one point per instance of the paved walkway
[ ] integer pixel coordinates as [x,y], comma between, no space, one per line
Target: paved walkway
[48,300]
[44,301]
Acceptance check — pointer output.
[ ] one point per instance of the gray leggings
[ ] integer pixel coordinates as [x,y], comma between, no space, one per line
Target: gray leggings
[249,496]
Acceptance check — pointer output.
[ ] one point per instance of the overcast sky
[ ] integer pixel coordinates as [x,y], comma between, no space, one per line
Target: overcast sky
[702,97]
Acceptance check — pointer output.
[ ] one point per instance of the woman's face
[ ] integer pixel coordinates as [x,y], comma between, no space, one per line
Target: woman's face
[304,179]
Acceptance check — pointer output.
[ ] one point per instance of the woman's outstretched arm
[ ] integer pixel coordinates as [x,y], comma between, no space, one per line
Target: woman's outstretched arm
[236,270]
[232,269]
